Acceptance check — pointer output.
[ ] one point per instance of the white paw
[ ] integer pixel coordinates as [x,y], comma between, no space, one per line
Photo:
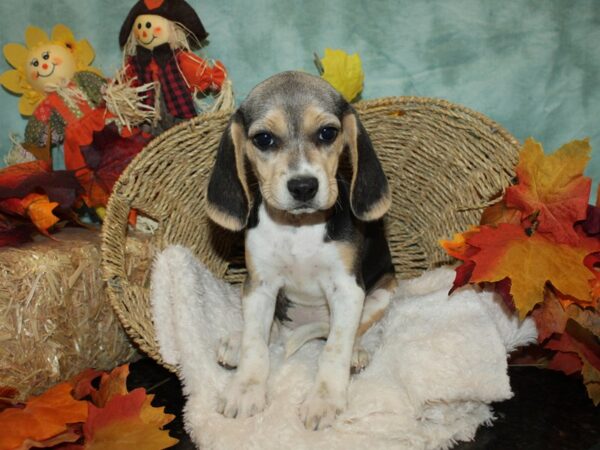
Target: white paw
[321,407]
[243,398]
[228,353]
[360,360]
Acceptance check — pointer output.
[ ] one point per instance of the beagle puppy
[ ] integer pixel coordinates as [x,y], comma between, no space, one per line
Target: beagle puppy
[316,254]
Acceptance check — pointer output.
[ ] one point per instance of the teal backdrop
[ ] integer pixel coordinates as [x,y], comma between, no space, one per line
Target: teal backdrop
[532,65]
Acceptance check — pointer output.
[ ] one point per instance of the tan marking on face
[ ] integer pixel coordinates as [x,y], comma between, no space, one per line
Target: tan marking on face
[348,253]
[270,166]
[326,156]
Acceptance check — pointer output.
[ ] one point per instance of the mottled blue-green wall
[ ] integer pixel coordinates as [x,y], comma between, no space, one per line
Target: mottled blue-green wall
[534,66]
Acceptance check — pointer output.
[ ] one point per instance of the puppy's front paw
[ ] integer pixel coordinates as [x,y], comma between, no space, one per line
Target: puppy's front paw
[321,407]
[243,398]
[228,352]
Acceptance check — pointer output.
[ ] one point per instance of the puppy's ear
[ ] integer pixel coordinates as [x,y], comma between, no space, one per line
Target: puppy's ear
[370,196]
[228,197]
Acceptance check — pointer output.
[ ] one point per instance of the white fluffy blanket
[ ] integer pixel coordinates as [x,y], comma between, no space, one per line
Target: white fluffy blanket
[437,362]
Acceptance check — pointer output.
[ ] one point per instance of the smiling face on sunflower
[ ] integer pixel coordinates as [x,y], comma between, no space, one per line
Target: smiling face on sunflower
[43,64]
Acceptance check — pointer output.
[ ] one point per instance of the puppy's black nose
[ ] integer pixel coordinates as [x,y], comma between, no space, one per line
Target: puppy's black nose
[303,189]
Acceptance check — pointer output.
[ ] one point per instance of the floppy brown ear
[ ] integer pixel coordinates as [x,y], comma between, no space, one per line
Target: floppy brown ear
[228,197]
[370,196]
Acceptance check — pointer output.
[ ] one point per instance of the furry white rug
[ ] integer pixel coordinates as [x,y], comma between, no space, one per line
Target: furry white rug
[437,362]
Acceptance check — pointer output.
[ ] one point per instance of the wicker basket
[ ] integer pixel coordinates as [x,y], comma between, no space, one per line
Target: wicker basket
[444,163]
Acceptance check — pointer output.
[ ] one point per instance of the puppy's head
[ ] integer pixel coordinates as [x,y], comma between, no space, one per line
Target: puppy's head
[292,128]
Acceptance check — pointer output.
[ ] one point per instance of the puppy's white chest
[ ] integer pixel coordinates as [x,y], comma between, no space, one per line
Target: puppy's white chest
[297,258]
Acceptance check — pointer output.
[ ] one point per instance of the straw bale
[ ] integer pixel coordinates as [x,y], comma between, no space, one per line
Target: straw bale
[55,319]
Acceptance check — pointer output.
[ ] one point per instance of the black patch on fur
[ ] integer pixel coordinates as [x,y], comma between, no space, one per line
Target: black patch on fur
[253,216]
[281,307]
[225,190]
[375,259]
[370,185]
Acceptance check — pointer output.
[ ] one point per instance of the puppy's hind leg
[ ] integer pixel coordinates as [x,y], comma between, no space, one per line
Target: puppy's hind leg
[376,303]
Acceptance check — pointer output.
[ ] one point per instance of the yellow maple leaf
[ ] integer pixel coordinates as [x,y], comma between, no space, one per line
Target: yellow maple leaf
[344,72]
[131,434]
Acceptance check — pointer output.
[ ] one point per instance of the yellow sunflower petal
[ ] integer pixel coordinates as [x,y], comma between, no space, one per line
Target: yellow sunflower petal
[30,101]
[63,33]
[84,53]
[26,108]
[13,81]
[16,55]
[35,36]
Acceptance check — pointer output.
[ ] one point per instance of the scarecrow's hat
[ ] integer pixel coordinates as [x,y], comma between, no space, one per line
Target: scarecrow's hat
[175,10]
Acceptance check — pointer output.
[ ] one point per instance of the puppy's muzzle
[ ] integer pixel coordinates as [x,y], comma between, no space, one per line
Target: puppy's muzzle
[303,189]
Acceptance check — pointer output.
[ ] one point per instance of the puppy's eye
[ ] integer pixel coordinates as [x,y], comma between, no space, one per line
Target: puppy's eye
[327,134]
[46,55]
[263,141]
[35,62]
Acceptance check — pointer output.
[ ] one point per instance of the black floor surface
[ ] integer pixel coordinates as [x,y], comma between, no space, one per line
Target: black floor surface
[549,411]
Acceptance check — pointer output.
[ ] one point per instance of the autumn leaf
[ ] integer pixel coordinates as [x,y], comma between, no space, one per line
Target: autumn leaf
[125,423]
[111,384]
[458,246]
[43,417]
[39,209]
[130,434]
[14,232]
[344,72]
[82,383]
[578,342]
[154,415]
[529,262]
[19,180]
[500,213]
[552,315]
[552,187]
[106,159]
[7,397]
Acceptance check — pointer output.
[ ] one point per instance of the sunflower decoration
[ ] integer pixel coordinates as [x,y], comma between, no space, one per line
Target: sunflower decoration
[44,63]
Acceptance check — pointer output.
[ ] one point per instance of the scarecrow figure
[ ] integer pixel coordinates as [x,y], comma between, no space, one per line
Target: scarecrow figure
[63,97]
[157,38]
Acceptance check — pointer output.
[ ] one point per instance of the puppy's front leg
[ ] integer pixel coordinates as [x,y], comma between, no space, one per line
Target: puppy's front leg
[327,398]
[246,395]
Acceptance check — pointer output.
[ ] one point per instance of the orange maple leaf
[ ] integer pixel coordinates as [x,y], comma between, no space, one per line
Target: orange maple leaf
[39,209]
[529,263]
[111,384]
[127,421]
[43,417]
[553,188]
